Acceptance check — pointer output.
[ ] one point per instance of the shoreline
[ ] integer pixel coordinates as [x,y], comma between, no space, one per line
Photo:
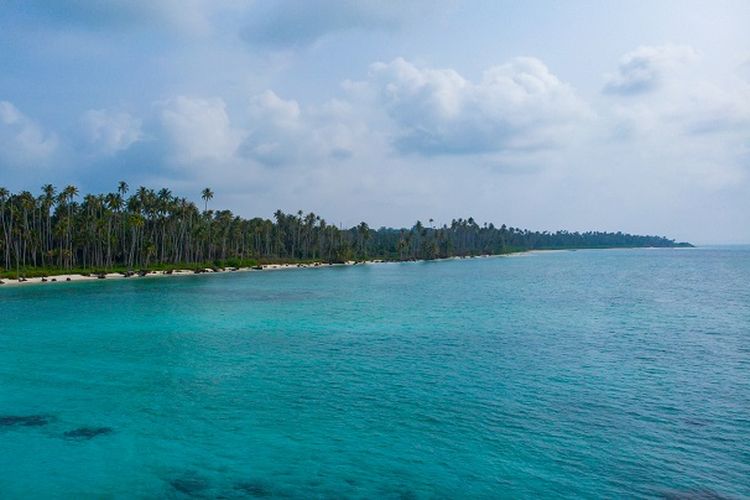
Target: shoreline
[72,278]
[76,277]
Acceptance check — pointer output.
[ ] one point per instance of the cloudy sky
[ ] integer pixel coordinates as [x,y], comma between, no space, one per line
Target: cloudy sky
[627,115]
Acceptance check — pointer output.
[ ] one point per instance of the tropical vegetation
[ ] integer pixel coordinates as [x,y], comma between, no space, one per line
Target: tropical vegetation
[61,231]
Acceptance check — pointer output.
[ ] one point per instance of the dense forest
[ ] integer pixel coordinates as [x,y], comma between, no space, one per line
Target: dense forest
[63,231]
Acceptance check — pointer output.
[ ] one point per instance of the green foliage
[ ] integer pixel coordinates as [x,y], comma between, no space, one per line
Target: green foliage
[56,232]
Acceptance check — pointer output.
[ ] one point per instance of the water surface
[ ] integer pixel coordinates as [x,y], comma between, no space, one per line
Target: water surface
[597,373]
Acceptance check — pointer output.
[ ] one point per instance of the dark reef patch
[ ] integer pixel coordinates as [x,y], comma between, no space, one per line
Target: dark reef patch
[406,495]
[189,484]
[255,488]
[24,420]
[88,432]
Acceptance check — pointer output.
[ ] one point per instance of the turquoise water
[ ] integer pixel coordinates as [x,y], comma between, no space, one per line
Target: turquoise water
[596,373]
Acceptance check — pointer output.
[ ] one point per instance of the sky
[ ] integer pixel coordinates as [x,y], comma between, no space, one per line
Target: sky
[578,115]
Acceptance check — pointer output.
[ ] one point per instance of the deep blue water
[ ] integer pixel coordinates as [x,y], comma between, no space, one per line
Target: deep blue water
[596,373]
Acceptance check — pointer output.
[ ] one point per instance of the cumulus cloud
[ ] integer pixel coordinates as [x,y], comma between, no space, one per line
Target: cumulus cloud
[111,131]
[22,141]
[282,132]
[643,69]
[514,109]
[276,130]
[292,23]
[199,129]
[271,131]
[519,105]
[666,95]
[687,129]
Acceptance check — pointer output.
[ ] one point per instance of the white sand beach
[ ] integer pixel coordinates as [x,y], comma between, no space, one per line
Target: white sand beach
[69,278]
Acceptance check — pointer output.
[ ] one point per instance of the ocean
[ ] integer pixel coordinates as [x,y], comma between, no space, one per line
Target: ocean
[578,374]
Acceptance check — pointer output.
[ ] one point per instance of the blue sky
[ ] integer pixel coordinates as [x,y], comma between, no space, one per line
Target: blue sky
[631,115]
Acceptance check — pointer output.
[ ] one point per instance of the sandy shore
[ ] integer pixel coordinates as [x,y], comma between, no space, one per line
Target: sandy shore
[69,278]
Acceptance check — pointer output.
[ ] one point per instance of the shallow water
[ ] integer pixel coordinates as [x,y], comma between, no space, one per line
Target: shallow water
[596,373]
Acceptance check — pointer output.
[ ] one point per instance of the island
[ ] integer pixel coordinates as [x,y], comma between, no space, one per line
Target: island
[57,237]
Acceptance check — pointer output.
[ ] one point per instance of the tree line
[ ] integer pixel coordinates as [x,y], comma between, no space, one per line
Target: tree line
[142,229]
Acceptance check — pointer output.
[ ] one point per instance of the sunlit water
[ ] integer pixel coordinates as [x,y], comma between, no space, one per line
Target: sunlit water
[600,373]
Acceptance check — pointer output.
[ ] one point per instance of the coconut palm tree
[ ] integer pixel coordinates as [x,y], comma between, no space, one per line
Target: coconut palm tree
[156,228]
[66,199]
[207,194]
[4,195]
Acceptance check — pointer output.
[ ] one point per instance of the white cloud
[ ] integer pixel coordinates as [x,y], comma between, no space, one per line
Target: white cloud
[276,130]
[272,131]
[283,133]
[111,131]
[680,98]
[269,109]
[685,129]
[517,106]
[199,129]
[643,69]
[22,141]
